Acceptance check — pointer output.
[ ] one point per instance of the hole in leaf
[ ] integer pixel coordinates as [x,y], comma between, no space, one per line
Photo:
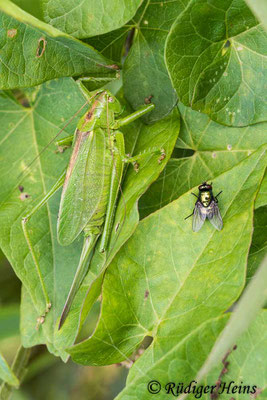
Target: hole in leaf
[21,98]
[137,353]
[226,46]
[128,42]
[181,153]
[41,47]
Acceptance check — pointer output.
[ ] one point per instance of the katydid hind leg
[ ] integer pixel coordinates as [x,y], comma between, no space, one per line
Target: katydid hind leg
[116,177]
[24,221]
[145,153]
[132,117]
[86,255]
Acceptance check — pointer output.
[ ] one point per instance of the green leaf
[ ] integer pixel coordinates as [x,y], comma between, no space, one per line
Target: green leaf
[26,131]
[261,199]
[111,44]
[216,149]
[32,7]
[258,247]
[33,52]
[19,369]
[167,280]
[6,373]
[138,138]
[216,56]
[245,311]
[259,8]
[37,125]
[144,72]
[85,18]
[247,364]
[9,321]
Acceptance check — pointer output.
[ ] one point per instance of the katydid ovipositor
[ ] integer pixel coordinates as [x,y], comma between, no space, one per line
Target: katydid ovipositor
[91,185]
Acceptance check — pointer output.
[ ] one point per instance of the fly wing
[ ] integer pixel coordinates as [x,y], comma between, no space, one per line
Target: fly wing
[214,216]
[198,217]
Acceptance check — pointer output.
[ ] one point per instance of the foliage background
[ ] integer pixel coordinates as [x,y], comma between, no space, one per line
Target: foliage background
[163,281]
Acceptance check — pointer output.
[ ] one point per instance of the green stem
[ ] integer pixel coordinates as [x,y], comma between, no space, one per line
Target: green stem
[19,369]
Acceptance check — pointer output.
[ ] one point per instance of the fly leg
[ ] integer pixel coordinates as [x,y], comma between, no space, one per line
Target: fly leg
[217,195]
[24,221]
[193,210]
[190,214]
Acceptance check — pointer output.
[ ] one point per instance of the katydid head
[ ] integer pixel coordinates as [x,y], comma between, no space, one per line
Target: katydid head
[101,112]
[114,105]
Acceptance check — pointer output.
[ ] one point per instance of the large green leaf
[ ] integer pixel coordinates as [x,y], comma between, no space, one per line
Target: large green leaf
[261,199]
[259,8]
[25,132]
[85,18]
[37,125]
[258,247]
[216,56]
[216,149]
[33,52]
[247,364]
[144,72]
[244,313]
[6,373]
[32,7]
[9,321]
[167,280]
[112,44]
[19,368]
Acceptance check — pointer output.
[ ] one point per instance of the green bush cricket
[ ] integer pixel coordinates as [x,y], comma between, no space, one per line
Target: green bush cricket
[91,185]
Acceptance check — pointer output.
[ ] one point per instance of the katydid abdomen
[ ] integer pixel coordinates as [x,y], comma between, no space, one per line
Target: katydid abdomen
[86,188]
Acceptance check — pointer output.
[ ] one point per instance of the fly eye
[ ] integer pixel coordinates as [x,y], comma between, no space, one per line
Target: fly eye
[110,100]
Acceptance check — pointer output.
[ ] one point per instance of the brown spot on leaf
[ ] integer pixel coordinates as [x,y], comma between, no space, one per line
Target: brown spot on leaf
[21,188]
[41,47]
[117,226]
[24,196]
[148,99]
[136,167]
[12,33]
[113,66]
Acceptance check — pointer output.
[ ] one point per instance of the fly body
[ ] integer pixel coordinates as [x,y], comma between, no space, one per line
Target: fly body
[206,206]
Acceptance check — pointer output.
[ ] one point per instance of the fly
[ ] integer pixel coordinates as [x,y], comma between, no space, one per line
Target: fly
[206,206]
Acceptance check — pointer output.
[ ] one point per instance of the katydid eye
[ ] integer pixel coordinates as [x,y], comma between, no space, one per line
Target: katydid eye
[110,100]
